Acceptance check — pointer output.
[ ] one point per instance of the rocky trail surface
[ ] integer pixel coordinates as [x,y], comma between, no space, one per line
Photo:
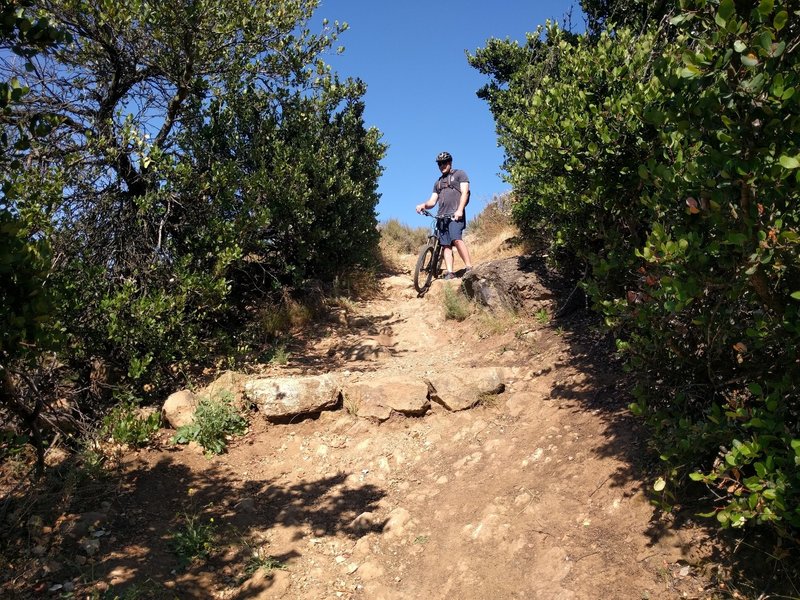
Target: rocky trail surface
[515,475]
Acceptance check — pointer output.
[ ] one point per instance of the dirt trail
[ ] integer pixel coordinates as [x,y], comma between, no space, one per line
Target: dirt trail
[533,495]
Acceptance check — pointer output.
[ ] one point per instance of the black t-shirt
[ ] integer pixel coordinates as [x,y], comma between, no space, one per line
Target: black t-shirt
[448,187]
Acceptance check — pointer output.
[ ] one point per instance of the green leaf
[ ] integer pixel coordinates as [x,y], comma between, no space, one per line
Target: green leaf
[690,72]
[789,162]
[696,476]
[795,295]
[660,484]
[727,8]
[780,20]
[765,7]
[796,445]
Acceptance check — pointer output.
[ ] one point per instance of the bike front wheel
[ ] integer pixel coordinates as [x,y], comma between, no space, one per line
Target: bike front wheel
[423,272]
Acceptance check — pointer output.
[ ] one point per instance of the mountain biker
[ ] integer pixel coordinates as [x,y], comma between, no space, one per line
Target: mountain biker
[451,191]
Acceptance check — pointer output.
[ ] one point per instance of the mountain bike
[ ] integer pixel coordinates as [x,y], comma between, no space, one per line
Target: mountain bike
[429,261]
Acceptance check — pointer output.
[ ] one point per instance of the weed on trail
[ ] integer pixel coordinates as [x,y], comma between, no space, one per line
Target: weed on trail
[194,540]
[214,421]
[456,305]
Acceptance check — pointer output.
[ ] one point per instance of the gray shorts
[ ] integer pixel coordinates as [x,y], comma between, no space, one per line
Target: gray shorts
[450,231]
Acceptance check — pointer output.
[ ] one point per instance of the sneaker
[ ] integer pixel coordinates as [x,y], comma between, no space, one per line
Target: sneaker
[449,276]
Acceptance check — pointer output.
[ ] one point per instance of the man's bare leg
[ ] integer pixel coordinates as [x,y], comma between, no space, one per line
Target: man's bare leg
[463,252]
[448,258]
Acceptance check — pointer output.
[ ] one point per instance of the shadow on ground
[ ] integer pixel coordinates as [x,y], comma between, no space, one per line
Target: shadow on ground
[169,502]
[746,563]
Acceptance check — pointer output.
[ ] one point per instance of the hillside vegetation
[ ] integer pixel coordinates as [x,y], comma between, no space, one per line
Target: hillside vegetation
[659,156]
[174,176]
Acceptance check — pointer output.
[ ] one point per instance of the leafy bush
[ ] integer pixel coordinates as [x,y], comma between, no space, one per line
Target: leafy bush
[125,425]
[667,164]
[214,420]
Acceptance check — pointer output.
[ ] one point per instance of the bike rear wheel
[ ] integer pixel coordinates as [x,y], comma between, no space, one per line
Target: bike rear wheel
[423,272]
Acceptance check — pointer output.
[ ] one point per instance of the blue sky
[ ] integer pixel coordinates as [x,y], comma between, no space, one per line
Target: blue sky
[421,91]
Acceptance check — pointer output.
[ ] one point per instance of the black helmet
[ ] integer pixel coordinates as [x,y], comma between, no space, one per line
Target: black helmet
[444,157]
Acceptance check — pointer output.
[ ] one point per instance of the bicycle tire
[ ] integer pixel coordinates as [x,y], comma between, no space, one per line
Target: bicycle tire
[423,272]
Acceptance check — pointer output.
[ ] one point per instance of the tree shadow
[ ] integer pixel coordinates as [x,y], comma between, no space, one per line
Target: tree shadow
[746,560]
[159,504]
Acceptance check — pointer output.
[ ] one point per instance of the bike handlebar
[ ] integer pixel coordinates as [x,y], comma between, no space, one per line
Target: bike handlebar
[427,214]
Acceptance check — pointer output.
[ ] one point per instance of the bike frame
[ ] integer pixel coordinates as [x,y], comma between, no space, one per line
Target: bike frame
[429,261]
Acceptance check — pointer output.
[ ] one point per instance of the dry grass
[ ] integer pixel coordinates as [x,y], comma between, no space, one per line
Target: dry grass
[399,245]
[491,235]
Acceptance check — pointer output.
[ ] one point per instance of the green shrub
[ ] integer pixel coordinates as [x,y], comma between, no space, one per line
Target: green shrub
[667,164]
[214,420]
[125,425]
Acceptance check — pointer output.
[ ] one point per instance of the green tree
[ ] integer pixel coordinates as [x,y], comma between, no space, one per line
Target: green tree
[153,223]
[25,308]
[636,14]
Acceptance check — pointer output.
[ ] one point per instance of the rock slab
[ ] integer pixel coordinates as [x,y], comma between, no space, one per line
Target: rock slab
[281,397]
[377,399]
[461,389]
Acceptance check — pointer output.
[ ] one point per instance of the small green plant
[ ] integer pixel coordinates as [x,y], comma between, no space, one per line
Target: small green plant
[214,420]
[259,560]
[125,425]
[543,316]
[280,356]
[194,540]
[456,306]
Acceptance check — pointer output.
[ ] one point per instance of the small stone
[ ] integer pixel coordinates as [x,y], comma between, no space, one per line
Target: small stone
[90,546]
[352,568]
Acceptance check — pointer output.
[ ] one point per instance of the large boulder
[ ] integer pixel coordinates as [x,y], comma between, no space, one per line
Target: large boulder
[507,284]
[279,397]
[460,389]
[228,385]
[179,409]
[378,398]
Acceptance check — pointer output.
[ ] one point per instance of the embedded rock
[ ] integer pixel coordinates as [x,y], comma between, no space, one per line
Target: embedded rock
[379,398]
[281,397]
[461,389]
[508,284]
[228,385]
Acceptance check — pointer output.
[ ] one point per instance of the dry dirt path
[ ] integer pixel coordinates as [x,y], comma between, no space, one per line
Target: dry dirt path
[534,494]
